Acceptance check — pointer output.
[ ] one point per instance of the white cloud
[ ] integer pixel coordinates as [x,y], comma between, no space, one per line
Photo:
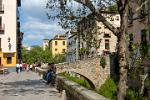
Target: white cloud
[38,25]
[34,37]
[35,24]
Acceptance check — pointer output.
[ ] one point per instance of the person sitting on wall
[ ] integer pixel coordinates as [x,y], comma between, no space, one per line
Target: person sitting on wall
[50,73]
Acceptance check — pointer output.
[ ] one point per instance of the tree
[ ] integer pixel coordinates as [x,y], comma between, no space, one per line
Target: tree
[70,15]
[37,54]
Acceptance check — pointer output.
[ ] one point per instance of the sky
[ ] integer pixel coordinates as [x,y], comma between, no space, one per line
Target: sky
[35,24]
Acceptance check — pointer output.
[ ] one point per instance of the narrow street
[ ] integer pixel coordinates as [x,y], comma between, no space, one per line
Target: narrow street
[25,86]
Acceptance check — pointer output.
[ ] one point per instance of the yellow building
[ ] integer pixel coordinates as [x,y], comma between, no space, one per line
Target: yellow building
[58,45]
[9,20]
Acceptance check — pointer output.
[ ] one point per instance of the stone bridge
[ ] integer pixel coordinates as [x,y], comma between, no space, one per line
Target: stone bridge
[90,69]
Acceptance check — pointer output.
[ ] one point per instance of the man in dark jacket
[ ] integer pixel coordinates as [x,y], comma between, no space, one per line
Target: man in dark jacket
[51,73]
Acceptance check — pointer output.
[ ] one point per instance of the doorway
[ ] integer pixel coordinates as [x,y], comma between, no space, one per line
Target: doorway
[0,62]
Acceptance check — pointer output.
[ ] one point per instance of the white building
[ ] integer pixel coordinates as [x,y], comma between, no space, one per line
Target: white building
[45,43]
[72,46]
[100,40]
[108,40]
[8,31]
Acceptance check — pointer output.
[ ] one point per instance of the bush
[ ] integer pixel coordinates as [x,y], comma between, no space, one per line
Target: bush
[133,95]
[108,89]
[103,62]
[80,81]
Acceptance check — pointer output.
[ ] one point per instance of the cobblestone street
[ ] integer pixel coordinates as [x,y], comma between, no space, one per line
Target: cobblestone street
[25,86]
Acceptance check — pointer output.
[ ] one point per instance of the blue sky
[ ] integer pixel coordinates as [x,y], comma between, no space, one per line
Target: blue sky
[35,24]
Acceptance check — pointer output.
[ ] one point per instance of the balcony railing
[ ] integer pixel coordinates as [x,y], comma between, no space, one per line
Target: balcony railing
[18,24]
[1,8]
[18,3]
[2,29]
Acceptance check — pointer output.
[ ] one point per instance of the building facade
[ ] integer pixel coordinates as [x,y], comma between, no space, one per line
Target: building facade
[95,38]
[58,45]
[45,44]
[8,31]
[72,46]
[141,23]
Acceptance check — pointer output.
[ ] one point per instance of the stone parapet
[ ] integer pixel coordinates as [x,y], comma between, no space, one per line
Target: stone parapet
[75,91]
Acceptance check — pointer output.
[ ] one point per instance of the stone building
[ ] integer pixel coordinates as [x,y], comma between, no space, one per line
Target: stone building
[95,38]
[72,45]
[9,31]
[140,22]
[139,32]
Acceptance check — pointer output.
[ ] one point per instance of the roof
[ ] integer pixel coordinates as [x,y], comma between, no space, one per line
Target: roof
[57,39]
[45,39]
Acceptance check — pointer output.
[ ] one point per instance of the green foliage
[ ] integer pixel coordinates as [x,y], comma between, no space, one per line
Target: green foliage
[108,89]
[147,83]
[80,81]
[59,58]
[133,95]
[144,45]
[113,8]
[82,51]
[103,62]
[37,54]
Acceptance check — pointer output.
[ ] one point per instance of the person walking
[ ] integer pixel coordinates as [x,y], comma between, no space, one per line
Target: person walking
[17,67]
[31,66]
[21,68]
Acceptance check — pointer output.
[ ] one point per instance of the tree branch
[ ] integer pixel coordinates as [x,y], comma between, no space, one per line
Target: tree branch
[88,4]
[101,18]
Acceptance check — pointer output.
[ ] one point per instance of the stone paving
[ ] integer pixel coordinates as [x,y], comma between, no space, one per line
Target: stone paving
[26,86]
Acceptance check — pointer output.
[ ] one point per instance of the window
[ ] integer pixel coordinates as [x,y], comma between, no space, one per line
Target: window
[55,42]
[143,36]
[0,44]
[130,16]
[55,49]
[130,42]
[9,60]
[107,44]
[143,9]
[105,27]
[117,18]
[0,22]
[111,18]
[63,42]
[0,5]
[64,50]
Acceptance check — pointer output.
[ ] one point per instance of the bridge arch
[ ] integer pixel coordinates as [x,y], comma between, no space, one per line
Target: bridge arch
[81,75]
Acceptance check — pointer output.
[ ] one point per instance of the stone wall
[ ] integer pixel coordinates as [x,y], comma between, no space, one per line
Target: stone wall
[75,91]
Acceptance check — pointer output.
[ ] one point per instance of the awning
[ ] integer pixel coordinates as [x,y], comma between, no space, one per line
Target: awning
[8,55]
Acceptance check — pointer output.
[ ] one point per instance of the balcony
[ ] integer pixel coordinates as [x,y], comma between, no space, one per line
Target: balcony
[18,15]
[107,35]
[18,24]
[20,35]
[2,29]
[19,3]
[1,8]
